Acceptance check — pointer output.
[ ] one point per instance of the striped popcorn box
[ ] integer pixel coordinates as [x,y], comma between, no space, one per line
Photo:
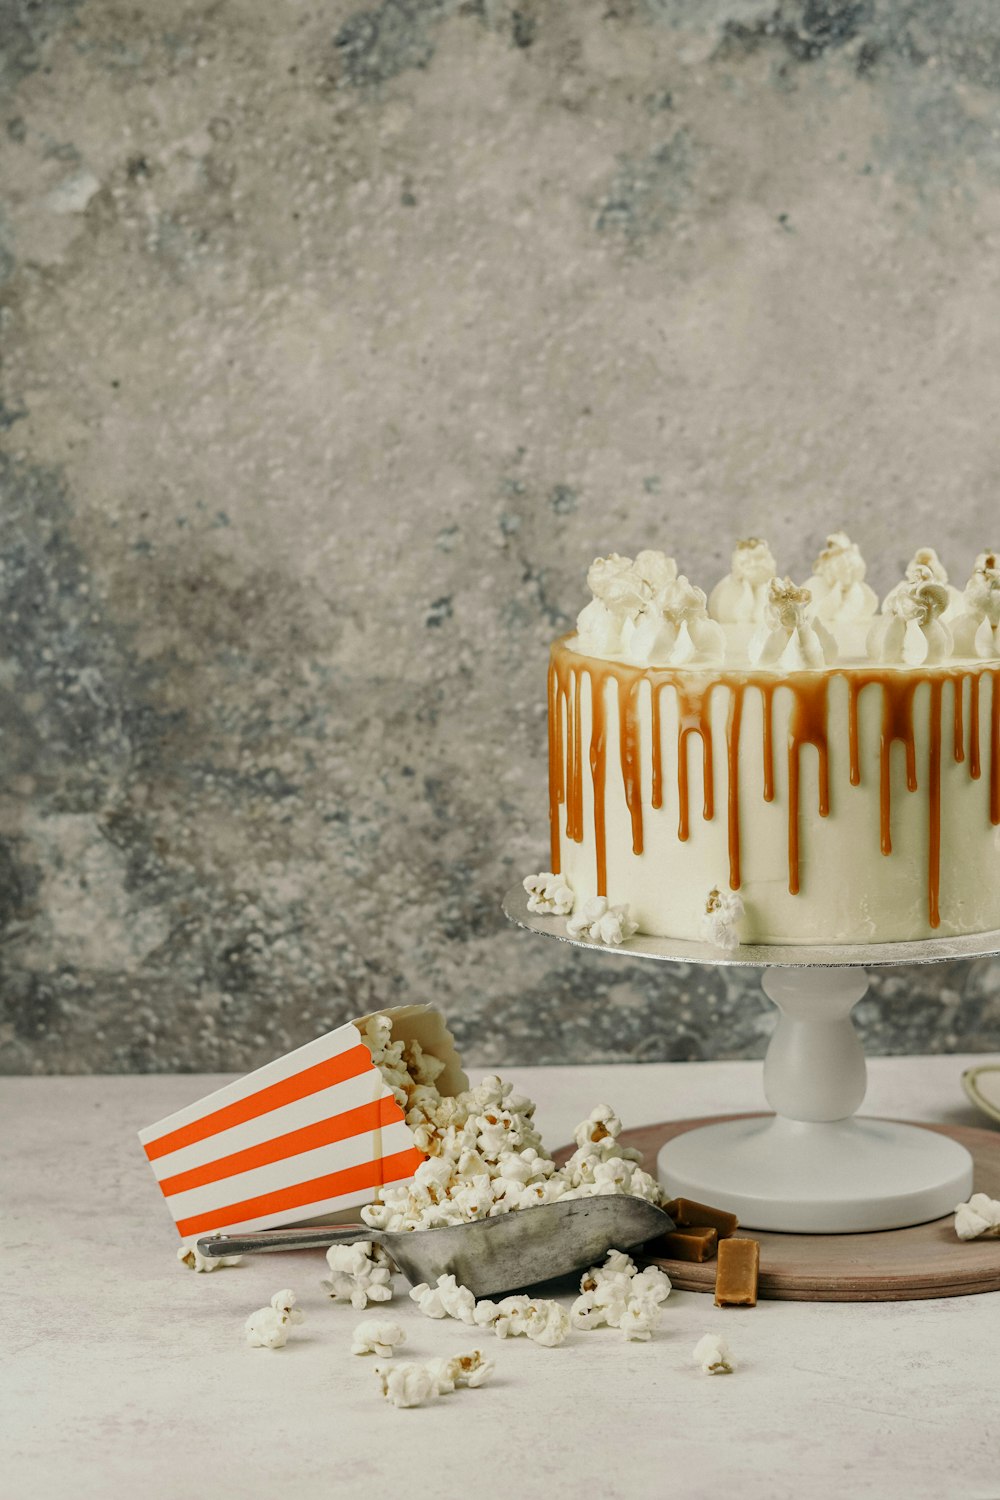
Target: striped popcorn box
[298,1141]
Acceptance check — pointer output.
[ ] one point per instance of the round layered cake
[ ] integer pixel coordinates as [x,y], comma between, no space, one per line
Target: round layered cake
[773,763]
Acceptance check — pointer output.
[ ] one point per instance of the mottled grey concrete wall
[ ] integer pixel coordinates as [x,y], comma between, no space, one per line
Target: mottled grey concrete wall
[335,343]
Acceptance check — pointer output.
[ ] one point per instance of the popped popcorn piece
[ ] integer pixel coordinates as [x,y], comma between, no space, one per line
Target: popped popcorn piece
[191,1256]
[268,1327]
[472,1370]
[978,1219]
[375,1337]
[601,923]
[618,1295]
[446,1300]
[724,911]
[361,1272]
[407,1383]
[549,894]
[712,1354]
[537,1318]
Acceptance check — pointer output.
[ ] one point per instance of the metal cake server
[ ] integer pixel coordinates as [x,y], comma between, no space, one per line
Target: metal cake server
[488,1255]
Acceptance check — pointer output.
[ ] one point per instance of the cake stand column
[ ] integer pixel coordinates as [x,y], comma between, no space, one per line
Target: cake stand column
[813,1168]
[815,1065]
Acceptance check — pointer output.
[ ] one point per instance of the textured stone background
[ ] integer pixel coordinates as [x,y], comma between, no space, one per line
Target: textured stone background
[336,343]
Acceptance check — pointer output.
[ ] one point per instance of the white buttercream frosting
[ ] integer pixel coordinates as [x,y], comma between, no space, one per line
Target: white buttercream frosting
[910,628]
[837,586]
[741,597]
[674,629]
[786,637]
[977,628]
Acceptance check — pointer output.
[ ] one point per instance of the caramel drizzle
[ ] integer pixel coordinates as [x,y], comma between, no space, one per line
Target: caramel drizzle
[807,726]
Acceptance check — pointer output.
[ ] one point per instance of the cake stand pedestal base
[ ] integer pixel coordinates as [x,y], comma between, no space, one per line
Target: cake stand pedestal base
[816,1168]
[834,1177]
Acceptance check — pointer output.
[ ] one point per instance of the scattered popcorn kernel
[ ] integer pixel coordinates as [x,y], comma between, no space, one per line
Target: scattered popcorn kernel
[407,1383]
[374,1337]
[191,1256]
[446,1300]
[978,1219]
[712,1354]
[618,1295]
[360,1273]
[268,1327]
[470,1370]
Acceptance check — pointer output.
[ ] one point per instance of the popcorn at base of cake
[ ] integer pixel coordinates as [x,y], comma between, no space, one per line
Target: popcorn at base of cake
[548,894]
[978,1219]
[910,629]
[712,1354]
[787,637]
[595,919]
[838,592]
[720,925]
[268,1327]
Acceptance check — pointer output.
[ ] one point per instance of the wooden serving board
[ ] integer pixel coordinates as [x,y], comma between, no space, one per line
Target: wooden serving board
[884,1266]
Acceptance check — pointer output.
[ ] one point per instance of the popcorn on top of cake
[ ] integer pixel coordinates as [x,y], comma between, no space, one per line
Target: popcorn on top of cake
[910,628]
[837,587]
[787,637]
[975,630]
[645,612]
[741,597]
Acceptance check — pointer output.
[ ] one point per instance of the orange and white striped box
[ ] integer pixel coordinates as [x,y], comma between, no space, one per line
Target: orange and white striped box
[301,1139]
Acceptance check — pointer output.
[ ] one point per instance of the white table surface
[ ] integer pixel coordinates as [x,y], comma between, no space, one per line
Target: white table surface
[126,1375]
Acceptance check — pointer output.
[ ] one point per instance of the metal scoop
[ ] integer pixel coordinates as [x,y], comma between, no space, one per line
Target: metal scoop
[489,1255]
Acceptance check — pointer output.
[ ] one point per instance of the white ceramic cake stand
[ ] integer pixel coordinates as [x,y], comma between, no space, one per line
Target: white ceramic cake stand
[812,1168]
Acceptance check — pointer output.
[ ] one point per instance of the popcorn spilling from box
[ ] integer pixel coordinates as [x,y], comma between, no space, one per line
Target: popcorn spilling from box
[380,1113]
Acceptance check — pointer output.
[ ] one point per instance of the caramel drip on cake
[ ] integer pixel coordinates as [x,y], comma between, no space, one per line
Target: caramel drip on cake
[975,769]
[733,763]
[598,772]
[897,724]
[767,694]
[656,791]
[808,725]
[934,807]
[854,687]
[995,748]
[557,780]
[693,717]
[628,742]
